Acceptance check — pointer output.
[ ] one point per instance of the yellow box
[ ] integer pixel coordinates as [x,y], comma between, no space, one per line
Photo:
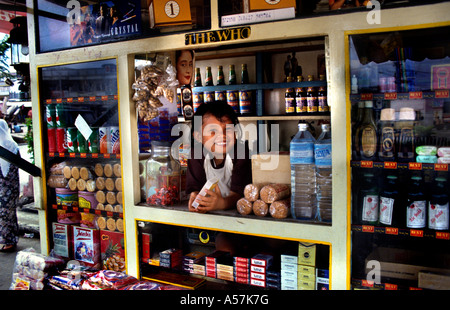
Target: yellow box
[306,284]
[303,269]
[306,254]
[258,5]
[306,277]
[271,167]
[169,13]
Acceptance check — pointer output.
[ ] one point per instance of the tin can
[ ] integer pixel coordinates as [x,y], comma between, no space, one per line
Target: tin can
[72,146]
[220,95]
[208,96]
[103,138]
[61,117]
[50,115]
[61,143]
[233,100]
[115,139]
[51,135]
[94,145]
[198,100]
[82,143]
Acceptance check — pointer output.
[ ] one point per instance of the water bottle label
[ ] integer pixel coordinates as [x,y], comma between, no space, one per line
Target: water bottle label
[438,216]
[370,208]
[415,214]
[322,154]
[386,209]
[302,153]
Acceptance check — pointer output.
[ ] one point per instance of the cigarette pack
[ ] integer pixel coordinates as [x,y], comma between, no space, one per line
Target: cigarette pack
[86,246]
[146,240]
[209,185]
[262,260]
[62,240]
[306,254]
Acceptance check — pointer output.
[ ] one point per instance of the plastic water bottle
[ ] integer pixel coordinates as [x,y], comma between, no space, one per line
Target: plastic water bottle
[303,174]
[322,157]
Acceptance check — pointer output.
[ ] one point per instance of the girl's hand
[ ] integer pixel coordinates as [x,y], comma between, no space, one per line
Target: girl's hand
[212,201]
[191,200]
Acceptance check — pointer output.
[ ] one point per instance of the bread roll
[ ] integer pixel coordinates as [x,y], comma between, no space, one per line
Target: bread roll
[100,183]
[260,208]
[251,192]
[280,209]
[98,170]
[117,170]
[274,192]
[244,206]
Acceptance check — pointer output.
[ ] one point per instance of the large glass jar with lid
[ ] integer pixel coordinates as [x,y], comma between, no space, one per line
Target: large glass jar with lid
[163,177]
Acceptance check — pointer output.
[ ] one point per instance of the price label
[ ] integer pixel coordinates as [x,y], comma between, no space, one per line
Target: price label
[170,13]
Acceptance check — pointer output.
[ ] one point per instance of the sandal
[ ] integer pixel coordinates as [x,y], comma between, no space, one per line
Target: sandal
[7,247]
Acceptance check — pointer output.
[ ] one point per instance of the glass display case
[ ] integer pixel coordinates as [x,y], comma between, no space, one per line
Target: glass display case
[79,106]
[400,109]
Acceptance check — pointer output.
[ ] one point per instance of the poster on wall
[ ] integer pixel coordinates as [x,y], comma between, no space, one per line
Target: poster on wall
[66,24]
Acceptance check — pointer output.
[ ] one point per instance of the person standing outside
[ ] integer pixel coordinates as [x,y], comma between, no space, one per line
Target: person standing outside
[9,192]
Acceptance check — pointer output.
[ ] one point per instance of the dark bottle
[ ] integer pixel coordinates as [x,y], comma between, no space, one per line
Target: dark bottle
[232,95]
[300,98]
[355,145]
[208,77]
[416,204]
[220,95]
[390,205]
[231,75]
[289,98]
[366,135]
[367,208]
[322,99]
[245,96]
[311,97]
[438,207]
[197,95]
[406,139]
[186,101]
[386,150]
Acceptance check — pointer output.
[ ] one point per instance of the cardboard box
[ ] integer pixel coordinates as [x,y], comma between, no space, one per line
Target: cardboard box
[86,246]
[165,13]
[63,240]
[112,247]
[259,5]
[306,254]
[434,281]
[275,167]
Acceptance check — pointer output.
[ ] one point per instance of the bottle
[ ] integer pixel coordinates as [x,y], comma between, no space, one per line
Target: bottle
[390,204]
[208,96]
[300,97]
[322,99]
[406,136]
[245,99]
[220,94]
[354,84]
[368,200]
[438,206]
[289,98]
[416,205]
[197,95]
[359,117]
[322,159]
[232,95]
[303,174]
[366,135]
[311,97]
[386,150]
[163,176]
[186,101]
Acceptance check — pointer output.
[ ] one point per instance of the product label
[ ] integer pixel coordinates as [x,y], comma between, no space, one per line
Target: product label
[301,104]
[302,153]
[311,104]
[438,216]
[415,214]
[290,106]
[386,209]
[368,141]
[323,107]
[370,208]
[322,154]
[245,103]
[387,139]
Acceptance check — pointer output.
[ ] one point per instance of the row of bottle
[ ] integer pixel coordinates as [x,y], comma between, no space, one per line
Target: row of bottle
[412,206]
[311,190]
[305,100]
[390,139]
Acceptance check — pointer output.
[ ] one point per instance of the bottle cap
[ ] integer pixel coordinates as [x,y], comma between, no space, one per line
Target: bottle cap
[368,104]
[387,114]
[302,126]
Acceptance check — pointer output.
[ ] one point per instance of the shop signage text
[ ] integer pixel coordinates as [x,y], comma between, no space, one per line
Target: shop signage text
[229,34]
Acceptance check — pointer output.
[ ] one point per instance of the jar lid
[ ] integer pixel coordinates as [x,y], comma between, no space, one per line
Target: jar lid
[387,114]
[161,143]
[407,114]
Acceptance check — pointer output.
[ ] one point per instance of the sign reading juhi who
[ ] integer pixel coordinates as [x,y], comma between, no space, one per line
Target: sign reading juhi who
[229,34]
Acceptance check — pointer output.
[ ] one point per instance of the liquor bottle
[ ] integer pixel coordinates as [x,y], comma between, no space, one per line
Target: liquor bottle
[406,138]
[232,95]
[359,117]
[416,205]
[186,101]
[311,97]
[245,99]
[366,135]
[208,77]
[289,98]
[220,94]
[386,150]
[390,204]
[197,95]
[322,98]
[438,207]
[368,201]
[300,97]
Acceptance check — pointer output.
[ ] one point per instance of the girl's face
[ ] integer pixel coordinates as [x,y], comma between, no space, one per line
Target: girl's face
[217,136]
[185,68]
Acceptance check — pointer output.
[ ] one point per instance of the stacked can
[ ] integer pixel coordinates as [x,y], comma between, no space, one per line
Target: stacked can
[104,136]
[51,127]
[115,139]
[61,125]
[93,142]
[72,142]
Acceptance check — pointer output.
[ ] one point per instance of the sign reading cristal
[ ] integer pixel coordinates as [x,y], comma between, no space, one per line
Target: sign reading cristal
[229,34]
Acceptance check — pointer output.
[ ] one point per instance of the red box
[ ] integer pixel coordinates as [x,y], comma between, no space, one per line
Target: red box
[112,247]
[62,240]
[146,239]
[86,246]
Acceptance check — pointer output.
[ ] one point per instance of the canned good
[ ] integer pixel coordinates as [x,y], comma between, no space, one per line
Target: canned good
[220,95]
[82,143]
[115,139]
[50,115]
[208,96]
[61,117]
[197,100]
[72,146]
[51,135]
[233,100]
[94,145]
[104,137]
[61,143]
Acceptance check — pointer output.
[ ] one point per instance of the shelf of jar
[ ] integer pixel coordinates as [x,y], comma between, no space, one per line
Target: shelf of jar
[83,99]
[433,94]
[282,117]
[88,210]
[398,165]
[406,232]
[260,86]
[83,155]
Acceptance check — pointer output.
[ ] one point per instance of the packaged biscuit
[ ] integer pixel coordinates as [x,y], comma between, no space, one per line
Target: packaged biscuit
[209,185]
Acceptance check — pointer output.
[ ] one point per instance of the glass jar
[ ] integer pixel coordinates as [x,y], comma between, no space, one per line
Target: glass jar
[163,177]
